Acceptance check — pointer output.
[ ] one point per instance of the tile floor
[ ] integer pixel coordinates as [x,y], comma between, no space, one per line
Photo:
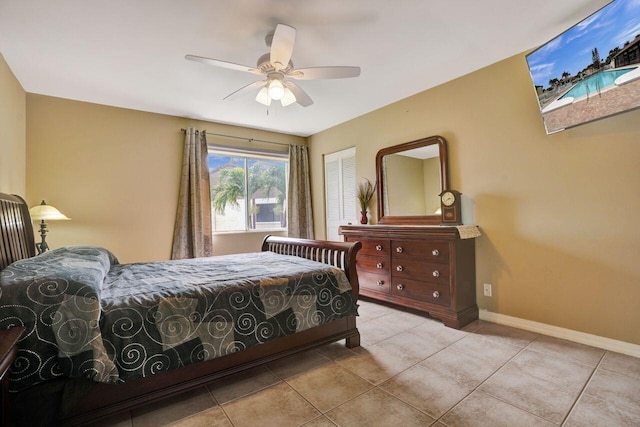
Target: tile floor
[413,371]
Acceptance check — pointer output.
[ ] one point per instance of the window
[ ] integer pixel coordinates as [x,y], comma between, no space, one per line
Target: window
[340,190]
[248,189]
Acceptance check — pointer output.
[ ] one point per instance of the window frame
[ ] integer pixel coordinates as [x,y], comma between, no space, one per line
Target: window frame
[248,154]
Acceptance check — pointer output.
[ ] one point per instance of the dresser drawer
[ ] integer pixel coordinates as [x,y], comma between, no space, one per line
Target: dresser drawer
[376,247]
[373,272]
[420,270]
[373,264]
[424,291]
[373,281]
[423,250]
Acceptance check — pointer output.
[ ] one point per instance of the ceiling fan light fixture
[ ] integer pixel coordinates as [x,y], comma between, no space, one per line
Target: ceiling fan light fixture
[288,97]
[263,97]
[276,89]
[277,70]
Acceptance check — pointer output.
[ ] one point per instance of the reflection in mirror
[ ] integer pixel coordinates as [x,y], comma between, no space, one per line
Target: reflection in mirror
[411,177]
[421,168]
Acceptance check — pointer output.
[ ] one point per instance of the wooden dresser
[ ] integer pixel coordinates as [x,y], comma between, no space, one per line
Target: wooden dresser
[429,268]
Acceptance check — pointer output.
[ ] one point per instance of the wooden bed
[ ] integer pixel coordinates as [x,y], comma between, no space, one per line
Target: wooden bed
[102,400]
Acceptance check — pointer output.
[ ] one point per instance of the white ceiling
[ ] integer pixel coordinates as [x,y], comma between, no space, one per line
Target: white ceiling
[130,53]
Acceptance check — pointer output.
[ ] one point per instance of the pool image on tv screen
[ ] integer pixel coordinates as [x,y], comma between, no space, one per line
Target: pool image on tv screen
[590,71]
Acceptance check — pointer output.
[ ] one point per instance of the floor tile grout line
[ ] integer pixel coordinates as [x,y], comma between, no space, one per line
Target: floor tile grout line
[215,401]
[407,403]
[524,409]
[323,413]
[435,419]
[419,363]
[593,372]
[549,353]
[346,401]
[376,386]
[253,391]
[219,404]
[284,380]
[482,382]
[510,403]
[280,380]
[584,388]
[404,370]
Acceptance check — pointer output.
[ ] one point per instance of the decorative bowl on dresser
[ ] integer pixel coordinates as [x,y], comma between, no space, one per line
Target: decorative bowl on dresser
[410,258]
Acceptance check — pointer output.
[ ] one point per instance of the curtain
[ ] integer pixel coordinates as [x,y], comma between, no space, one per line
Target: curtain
[300,217]
[192,233]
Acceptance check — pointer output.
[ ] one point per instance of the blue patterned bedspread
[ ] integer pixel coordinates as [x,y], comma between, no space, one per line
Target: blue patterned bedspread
[88,316]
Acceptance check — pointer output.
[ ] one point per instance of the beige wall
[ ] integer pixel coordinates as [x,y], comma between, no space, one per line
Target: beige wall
[558,213]
[116,173]
[12,132]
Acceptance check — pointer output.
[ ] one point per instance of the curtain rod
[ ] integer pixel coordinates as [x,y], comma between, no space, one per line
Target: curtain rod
[241,137]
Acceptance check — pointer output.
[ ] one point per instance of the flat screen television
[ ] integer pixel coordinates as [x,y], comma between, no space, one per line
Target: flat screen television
[590,71]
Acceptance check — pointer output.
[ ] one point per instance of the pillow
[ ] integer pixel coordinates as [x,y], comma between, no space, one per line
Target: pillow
[79,267]
[56,296]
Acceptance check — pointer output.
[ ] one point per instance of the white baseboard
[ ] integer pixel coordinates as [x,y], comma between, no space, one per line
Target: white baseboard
[557,332]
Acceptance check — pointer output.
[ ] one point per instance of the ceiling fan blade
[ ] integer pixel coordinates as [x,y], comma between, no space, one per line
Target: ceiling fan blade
[301,96]
[282,46]
[223,64]
[324,73]
[245,89]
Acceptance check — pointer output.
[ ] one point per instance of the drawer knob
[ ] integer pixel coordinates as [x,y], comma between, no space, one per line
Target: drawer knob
[378,247]
[400,287]
[399,268]
[379,265]
[435,252]
[436,294]
[399,249]
[380,283]
[436,273]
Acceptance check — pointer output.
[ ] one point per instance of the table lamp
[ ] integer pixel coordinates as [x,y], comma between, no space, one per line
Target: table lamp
[44,212]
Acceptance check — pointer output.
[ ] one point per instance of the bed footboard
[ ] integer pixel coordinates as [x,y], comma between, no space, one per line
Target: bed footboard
[341,255]
[338,254]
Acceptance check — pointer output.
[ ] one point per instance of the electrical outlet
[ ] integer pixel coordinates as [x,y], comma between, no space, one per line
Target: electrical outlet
[487,289]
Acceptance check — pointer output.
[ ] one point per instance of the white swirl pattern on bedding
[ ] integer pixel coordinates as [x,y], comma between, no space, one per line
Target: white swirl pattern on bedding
[95,318]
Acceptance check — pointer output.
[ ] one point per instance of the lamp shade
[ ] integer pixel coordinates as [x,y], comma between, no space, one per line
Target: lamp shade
[288,98]
[45,212]
[263,97]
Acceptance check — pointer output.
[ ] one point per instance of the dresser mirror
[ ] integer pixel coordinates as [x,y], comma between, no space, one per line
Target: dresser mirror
[411,177]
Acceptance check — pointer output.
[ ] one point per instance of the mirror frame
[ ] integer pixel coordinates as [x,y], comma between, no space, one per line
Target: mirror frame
[444,180]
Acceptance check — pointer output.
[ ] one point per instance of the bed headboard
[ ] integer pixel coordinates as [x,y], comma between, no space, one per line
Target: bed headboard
[16,230]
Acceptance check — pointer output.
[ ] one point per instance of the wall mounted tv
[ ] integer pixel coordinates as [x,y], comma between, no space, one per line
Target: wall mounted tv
[590,71]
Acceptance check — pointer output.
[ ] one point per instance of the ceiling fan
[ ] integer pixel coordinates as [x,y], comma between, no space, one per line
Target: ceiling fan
[277,68]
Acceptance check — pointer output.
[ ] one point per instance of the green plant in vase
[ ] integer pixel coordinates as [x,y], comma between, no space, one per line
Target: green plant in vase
[365,193]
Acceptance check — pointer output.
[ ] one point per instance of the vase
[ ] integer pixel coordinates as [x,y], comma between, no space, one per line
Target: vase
[363,217]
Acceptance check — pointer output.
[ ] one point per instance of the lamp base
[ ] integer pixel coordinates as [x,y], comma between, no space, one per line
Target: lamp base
[42,247]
